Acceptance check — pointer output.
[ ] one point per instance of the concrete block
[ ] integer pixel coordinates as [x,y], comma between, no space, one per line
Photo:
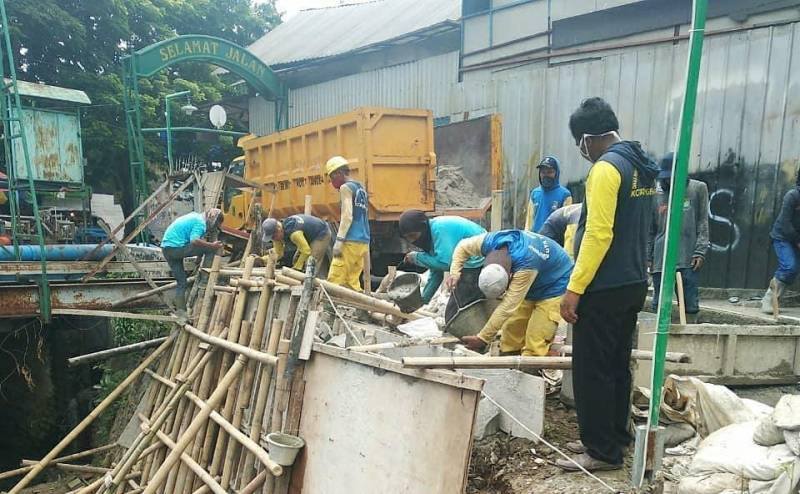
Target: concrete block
[487,421]
[522,394]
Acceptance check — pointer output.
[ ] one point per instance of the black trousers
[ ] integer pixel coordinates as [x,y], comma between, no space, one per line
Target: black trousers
[601,375]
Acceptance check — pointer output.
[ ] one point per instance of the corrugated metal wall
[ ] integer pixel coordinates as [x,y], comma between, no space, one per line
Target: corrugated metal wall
[420,84]
[747,133]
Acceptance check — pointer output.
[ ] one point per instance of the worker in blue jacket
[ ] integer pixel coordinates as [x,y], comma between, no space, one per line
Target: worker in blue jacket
[530,273]
[549,196]
[437,239]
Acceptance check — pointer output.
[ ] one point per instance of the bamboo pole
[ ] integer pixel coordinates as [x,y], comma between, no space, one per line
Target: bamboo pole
[445,340]
[677,357]
[128,219]
[199,420]
[193,466]
[256,421]
[233,347]
[108,313]
[74,456]
[149,293]
[68,467]
[280,398]
[108,400]
[98,482]
[254,484]
[358,299]
[487,362]
[113,352]
[136,231]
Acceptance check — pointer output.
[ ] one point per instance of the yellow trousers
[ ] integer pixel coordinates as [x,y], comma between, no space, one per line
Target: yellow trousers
[346,270]
[531,328]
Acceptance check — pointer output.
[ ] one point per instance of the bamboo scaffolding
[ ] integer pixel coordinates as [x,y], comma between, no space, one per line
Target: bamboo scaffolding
[107,401]
[113,352]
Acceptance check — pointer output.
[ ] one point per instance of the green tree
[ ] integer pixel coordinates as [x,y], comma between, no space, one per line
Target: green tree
[80,44]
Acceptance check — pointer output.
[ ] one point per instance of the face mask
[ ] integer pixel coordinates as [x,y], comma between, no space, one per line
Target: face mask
[548,182]
[584,146]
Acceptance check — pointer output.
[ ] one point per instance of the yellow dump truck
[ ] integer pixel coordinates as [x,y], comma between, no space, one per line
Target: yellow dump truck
[391,151]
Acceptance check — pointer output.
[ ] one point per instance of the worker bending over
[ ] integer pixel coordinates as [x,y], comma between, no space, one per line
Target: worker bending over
[608,285]
[437,238]
[561,227]
[532,271]
[549,196]
[309,234]
[352,239]
[184,238]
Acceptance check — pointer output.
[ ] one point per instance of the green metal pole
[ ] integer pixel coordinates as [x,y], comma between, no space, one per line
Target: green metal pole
[680,172]
[168,114]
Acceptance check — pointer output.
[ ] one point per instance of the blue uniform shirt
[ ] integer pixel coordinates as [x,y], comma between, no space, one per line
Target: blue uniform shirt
[532,251]
[184,230]
[547,201]
[446,233]
[359,228]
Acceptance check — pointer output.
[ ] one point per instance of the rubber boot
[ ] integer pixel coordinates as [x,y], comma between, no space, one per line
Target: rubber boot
[769,303]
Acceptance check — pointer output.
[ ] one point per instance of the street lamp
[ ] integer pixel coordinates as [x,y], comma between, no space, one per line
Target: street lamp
[188,109]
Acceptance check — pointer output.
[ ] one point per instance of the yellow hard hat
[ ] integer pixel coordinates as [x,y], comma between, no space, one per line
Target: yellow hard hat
[335,163]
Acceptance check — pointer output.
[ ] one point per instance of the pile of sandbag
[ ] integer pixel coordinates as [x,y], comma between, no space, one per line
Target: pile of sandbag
[752,449]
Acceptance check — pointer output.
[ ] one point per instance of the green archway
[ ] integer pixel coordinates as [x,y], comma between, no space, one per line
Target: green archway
[216,51]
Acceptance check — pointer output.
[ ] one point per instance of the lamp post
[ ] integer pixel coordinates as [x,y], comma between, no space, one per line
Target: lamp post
[188,108]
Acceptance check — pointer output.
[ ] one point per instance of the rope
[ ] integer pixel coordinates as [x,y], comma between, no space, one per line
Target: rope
[336,311]
[540,438]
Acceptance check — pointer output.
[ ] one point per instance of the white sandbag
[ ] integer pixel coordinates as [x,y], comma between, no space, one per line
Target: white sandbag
[787,412]
[714,483]
[731,450]
[792,439]
[767,433]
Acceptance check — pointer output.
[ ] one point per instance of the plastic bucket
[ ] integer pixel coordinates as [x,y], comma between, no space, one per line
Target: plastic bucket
[404,291]
[283,448]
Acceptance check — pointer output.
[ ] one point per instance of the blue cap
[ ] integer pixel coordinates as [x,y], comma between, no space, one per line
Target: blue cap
[549,162]
[666,166]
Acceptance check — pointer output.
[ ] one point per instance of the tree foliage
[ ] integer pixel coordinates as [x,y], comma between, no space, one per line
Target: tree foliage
[80,43]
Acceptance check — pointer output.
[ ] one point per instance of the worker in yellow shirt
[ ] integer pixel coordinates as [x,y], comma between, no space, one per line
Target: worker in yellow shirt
[608,285]
[310,235]
[352,239]
[530,273]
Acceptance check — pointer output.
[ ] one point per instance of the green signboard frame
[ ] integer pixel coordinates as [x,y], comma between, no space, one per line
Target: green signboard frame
[198,48]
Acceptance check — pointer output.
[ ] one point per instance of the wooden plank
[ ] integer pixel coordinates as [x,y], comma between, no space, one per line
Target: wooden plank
[728,329]
[512,362]
[308,335]
[109,313]
[377,361]
[346,409]
[497,210]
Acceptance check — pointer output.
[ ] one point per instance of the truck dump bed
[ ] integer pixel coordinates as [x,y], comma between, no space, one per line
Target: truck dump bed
[390,151]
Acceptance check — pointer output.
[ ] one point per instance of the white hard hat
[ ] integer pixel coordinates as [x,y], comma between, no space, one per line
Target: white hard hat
[493,281]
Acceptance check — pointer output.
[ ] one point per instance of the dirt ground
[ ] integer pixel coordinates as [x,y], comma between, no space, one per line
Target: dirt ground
[504,465]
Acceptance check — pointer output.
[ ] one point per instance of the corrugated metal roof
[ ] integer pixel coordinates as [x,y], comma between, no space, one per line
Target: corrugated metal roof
[36,90]
[319,33]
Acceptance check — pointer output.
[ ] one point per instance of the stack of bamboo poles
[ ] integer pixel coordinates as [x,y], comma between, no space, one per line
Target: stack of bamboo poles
[217,386]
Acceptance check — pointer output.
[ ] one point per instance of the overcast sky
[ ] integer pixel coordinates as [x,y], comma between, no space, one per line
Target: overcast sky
[291,7]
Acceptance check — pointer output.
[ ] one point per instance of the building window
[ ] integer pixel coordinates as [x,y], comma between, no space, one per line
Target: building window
[469,7]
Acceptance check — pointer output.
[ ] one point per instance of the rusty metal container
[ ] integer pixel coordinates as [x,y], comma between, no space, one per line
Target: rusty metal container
[390,150]
[54,140]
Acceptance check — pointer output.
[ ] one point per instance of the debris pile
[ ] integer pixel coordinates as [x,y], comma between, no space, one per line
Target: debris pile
[453,189]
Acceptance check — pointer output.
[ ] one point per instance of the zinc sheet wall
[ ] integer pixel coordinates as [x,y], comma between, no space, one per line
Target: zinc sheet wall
[746,144]
[423,83]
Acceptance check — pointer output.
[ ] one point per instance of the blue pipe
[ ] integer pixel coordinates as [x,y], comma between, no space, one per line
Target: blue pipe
[55,252]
